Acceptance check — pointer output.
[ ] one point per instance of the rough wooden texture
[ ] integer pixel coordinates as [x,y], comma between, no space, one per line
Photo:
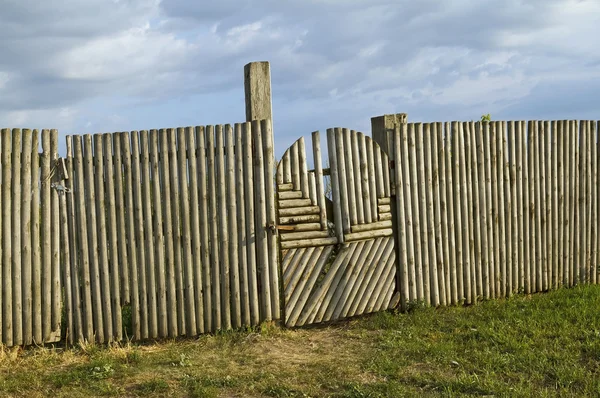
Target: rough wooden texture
[113,245]
[214,231]
[445,250]
[343,203]
[350,179]
[232,219]
[335,184]
[55,243]
[173,315]
[431,222]
[223,230]
[26,248]
[197,263]
[241,227]
[123,261]
[36,243]
[372,226]
[103,266]
[158,237]
[440,287]
[207,287]
[257,88]
[294,244]
[416,215]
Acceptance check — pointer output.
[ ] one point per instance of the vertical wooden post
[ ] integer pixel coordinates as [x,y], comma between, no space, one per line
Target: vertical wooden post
[382,131]
[257,88]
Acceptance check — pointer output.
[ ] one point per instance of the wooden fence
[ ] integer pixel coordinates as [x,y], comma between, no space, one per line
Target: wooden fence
[30,302]
[175,231]
[171,225]
[487,210]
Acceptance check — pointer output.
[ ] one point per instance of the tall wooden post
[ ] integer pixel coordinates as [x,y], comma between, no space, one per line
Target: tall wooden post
[257,86]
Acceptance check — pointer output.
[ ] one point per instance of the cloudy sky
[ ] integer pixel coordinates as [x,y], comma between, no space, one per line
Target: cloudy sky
[113,65]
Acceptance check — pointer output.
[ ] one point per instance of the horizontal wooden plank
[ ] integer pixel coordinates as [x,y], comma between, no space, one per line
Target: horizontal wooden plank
[294,244]
[299,211]
[378,233]
[300,219]
[384,208]
[285,195]
[385,216]
[303,235]
[285,187]
[371,226]
[307,227]
[289,203]
[383,201]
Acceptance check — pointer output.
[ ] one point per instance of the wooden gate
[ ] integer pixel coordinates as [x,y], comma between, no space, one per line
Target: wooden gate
[337,247]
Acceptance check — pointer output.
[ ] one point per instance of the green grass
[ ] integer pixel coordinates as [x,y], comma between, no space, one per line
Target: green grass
[545,345]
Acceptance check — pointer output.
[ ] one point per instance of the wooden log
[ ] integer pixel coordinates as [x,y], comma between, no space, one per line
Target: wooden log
[95,274]
[123,260]
[261,221]
[5,168]
[358,177]
[131,234]
[286,187]
[25,247]
[430,216]
[373,226]
[551,191]
[295,167]
[343,182]
[384,284]
[250,224]
[65,265]
[295,244]
[289,195]
[385,161]
[542,161]
[303,235]
[301,260]
[285,204]
[138,207]
[403,231]
[502,202]
[487,141]
[471,282]
[595,196]
[75,268]
[365,191]
[450,187]
[299,211]
[186,238]
[377,157]
[150,267]
[240,198]
[385,216]
[317,157]
[303,227]
[223,234]
[304,186]
[481,182]
[175,307]
[350,176]
[506,211]
[45,192]
[458,210]
[514,226]
[312,188]
[383,201]
[368,234]
[372,177]
[384,209]
[416,206]
[197,263]
[158,238]
[560,136]
[571,203]
[374,282]
[445,250]
[581,215]
[103,266]
[204,227]
[476,263]
[589,197]
[113,252]
[521,202]
[232,219]
[55,245]
[287,168]
[279,174]
[495,209]
[36,244]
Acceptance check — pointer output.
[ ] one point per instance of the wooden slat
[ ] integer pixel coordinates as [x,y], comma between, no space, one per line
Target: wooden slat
[103,266]
[514,226]
[286,187]
[335,185]
[365,191]
[350,179]
[428,137]
[159,238]
[358,178]
[113,245]
[303,235]
[286,195]
[475,218]
[303,168]
[123,261]
[250,225]
[261,221]
[232,224]
[416,206]
[140,266]
[542,206]
[372,177]
[308,243]
[25,232]
[55,244]
[505,211]
[285,204]
[131,233]
[223,229]
[173,314]
[341,179]
[197,264]
[368,235]
[471,282]
[373,226]
[320,189]
[445,249]
[204,227]
[241,226]
[561,136]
